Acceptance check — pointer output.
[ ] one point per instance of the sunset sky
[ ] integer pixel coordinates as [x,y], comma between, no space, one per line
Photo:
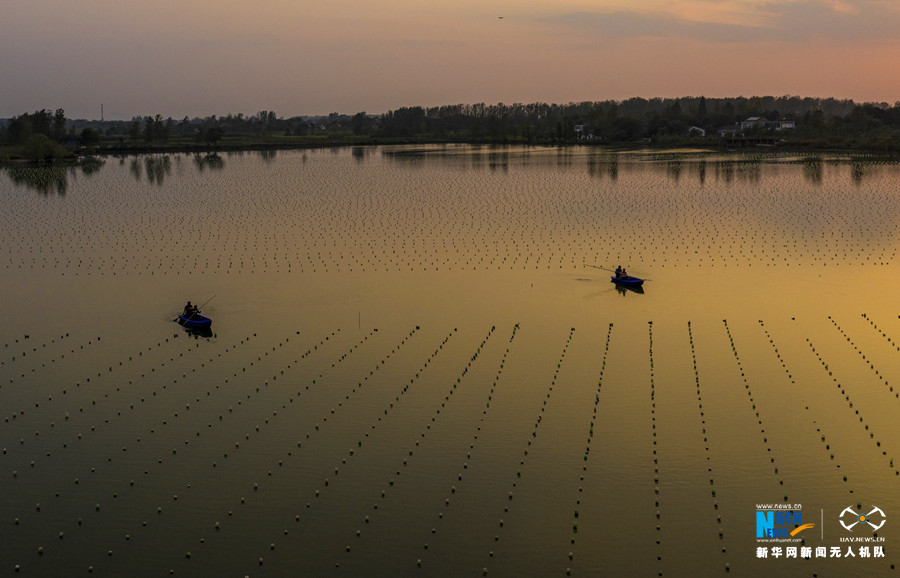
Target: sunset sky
[299,57]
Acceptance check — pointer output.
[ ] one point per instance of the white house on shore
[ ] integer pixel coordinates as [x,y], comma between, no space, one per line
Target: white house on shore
[583,134]
[696,131]
[760,122]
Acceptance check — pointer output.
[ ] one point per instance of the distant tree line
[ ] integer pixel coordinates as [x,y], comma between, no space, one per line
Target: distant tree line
[818,123]
[38,133]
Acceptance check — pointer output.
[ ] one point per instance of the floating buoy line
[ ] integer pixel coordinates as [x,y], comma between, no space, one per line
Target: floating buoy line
[587,448]
[393,485]
[257,487]
[20,360]
[233,412]
[160,461]
[474,441]
[705,433]
[850,404]
[523,470]
[751,399]
[83,390]
[859,352]
[319,428]
[656,487]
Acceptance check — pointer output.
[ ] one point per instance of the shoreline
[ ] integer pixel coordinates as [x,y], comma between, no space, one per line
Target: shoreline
[78,156]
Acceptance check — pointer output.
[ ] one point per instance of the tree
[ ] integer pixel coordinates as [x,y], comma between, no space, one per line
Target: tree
[40,121]
[89,137]
[155,130]
[168,129]
[627,128]
[19,130]
[40,147]
[674,111]
[214,134]
[59,125]
[701,108]
[406,121]
[361,123]
[134,130]
[301,128]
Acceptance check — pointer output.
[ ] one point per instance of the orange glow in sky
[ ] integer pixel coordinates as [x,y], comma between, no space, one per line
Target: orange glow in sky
[302,57]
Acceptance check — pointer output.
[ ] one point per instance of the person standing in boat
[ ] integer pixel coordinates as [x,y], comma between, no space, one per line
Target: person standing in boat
[189,309]
[620,273]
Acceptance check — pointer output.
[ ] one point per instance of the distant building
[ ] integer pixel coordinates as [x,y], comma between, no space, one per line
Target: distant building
[763,122]
[729,130]
[582,134]
[756,122]
[752,122]
[696,131]
[784,124]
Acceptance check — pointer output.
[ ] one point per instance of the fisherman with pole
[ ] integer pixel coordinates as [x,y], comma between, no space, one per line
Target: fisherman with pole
[191,310]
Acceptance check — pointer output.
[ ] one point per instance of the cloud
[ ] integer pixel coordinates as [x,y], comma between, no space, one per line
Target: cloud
[844,21]
[624,24]
[787,21]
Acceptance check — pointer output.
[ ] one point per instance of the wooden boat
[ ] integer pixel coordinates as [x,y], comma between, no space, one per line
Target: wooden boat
[195,321]
[627,281]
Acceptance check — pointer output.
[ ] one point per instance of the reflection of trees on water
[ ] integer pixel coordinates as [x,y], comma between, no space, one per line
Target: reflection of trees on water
[477,157]
[45,180]
[603,164]
[724,171]
[857,170]
[268,155]
[135,168]
[359,154]
[751,171]
[211,161]
[812,170]
[91,165]
[673,169]
[499,161]
[564,157]
[697,166]
[612,167]
[676,169]
[52,179]
[156,168]
[729,171]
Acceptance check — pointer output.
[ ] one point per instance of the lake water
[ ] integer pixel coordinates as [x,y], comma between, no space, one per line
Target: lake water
[418,364]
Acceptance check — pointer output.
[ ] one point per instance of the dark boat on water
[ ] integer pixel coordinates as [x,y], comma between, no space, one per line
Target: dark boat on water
[195,321]
[627,281]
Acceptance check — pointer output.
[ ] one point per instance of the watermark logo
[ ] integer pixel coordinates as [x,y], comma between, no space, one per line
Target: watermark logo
[780,523]
[778,526]
[849,519]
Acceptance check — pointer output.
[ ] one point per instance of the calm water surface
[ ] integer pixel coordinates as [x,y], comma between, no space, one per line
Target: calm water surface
[419,366]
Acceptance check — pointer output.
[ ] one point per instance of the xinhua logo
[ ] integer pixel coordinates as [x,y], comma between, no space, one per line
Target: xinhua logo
[850,519]
[779,523]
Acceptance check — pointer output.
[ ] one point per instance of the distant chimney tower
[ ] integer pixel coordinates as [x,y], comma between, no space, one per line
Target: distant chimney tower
[101,112]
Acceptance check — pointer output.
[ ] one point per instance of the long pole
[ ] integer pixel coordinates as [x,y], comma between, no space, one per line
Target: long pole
[596,267]
[207,301]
